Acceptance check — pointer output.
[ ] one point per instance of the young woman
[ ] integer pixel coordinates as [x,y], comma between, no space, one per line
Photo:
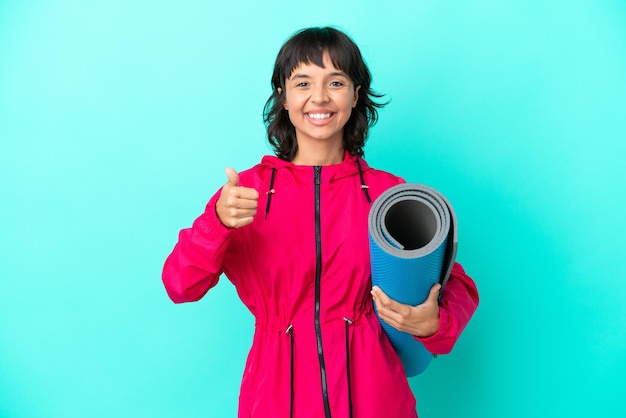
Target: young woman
[291,235]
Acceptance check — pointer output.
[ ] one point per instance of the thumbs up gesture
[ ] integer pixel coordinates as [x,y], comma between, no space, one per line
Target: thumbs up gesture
[237,205]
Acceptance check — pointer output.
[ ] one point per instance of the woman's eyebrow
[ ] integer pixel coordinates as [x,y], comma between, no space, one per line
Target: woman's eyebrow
[333,74]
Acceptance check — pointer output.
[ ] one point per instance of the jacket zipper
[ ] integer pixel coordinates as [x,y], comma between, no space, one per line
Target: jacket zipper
[318,278]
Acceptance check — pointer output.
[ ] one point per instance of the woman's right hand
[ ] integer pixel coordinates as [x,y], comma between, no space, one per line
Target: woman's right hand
[237,205]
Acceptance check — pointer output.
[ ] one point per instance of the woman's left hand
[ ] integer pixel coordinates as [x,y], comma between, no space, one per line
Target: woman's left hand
[421,320]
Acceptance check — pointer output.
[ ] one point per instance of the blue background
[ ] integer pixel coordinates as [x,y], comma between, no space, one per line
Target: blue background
[117,119]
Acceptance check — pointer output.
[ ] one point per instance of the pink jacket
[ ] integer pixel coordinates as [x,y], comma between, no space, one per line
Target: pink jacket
[302,268]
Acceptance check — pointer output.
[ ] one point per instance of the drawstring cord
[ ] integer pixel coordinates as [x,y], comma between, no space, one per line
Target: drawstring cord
[364,186]
[348,323]
[289,331]
[269,193]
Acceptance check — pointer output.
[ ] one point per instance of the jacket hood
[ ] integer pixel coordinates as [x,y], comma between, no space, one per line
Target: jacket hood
[350,166]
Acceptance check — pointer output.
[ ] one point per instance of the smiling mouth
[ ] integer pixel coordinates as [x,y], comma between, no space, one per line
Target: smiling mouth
[319,116]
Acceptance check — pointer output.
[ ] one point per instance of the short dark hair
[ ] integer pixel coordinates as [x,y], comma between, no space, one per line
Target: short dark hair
[305,47]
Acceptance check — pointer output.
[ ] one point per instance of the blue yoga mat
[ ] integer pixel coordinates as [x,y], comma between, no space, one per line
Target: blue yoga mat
[413,242]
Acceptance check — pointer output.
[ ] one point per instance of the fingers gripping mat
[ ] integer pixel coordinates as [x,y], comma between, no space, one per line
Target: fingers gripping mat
[413,241]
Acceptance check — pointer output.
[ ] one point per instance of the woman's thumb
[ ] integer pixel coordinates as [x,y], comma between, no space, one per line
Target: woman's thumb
[434,292]
[233,177]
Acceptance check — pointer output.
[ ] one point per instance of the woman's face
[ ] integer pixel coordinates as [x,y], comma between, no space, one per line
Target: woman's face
[319,101]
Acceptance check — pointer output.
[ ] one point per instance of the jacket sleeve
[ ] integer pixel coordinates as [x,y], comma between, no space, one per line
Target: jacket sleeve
[195,264]
[458,303]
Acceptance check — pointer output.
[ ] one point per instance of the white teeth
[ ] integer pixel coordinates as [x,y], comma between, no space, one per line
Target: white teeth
[319,115]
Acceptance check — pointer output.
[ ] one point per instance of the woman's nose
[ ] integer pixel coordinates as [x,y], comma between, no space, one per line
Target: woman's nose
[320,94]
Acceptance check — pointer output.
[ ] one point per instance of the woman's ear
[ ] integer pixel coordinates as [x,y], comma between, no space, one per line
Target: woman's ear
[284,101]
[356,96]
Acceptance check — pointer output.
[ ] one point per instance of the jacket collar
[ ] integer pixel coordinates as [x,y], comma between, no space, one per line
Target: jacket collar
[347,167]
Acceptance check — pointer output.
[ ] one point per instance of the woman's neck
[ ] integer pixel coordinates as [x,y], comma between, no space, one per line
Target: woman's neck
[318,155]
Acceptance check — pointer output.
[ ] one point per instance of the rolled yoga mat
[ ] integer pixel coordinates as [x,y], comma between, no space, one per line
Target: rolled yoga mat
[413,242]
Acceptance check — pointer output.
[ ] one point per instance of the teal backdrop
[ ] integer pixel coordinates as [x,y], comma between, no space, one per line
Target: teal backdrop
[118,117]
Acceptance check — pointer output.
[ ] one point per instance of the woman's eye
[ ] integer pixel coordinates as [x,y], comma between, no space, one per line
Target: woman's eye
[302,84]
[337,84]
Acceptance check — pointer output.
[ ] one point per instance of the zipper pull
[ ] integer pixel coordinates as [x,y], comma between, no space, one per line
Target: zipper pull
[318,174]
